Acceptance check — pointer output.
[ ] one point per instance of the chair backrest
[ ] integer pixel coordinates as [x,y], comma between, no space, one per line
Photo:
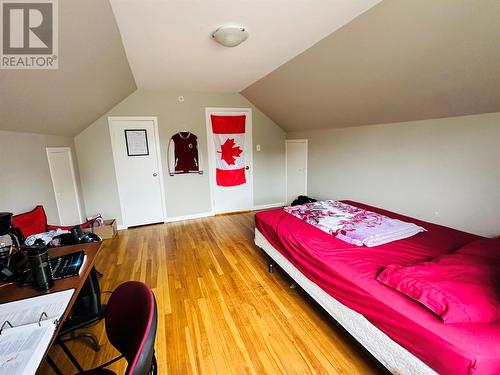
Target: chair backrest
[131,322]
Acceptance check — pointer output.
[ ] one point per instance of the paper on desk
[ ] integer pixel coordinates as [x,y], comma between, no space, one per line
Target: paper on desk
[23,345]
[22,348]
[29,310]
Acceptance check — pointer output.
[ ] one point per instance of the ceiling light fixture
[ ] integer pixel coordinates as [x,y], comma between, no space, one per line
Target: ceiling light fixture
[230,35]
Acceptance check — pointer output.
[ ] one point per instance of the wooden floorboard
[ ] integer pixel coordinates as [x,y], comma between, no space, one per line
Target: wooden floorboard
[220,311]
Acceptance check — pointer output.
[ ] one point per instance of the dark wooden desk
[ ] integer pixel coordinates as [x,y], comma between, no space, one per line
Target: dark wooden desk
[14,293]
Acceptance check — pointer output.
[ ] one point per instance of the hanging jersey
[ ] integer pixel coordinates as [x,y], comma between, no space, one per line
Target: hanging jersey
[185,152]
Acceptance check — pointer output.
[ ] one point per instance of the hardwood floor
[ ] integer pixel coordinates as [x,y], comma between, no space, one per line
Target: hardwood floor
[220,311]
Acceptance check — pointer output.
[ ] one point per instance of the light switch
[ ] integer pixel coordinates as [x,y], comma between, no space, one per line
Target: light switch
[257,147]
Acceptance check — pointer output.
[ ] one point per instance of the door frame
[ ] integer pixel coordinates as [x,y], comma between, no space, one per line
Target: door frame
[68,150]
[114,119]
[287,141]
[211,155]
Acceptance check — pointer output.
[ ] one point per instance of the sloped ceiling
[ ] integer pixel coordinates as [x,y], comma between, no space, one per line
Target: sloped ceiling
[169,47]
[399,61]
[93,75]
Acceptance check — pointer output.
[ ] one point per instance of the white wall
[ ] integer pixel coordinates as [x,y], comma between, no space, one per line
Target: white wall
[445,170]
[24,174]
[185,194]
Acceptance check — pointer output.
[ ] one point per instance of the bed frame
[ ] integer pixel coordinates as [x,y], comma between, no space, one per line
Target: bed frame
[390,354]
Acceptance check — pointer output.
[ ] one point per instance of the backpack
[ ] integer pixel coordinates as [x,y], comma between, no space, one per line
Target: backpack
[302,199]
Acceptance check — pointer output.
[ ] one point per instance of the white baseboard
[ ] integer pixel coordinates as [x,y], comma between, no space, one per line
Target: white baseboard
[188,217]
[270,205]
[208,214]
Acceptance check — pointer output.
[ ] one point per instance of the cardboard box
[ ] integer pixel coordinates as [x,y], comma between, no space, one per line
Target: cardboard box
[107,231]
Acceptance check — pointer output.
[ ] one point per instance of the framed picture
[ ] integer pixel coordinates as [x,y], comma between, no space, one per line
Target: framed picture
[137,142]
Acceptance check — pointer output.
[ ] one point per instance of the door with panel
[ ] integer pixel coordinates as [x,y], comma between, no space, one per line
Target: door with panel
[296,169]
[65,186]
[138,169]
[229,133]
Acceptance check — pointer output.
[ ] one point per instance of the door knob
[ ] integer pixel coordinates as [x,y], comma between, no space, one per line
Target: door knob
[247,167]
[155,174]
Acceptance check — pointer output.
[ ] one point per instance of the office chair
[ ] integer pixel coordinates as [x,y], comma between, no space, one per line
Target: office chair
[131,323]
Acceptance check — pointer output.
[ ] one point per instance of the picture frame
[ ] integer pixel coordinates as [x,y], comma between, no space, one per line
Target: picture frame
[136,141]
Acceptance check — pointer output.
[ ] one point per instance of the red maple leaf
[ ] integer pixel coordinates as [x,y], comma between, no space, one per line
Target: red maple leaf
[229,152]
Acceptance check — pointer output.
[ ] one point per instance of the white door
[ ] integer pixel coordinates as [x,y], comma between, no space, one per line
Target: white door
[296,169]
[136,155]
[65,187]
[230,198]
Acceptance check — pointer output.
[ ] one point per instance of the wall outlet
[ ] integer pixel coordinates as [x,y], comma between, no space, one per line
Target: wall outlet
[257,148]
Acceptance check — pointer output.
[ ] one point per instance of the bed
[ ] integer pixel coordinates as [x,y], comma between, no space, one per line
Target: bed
[400,333]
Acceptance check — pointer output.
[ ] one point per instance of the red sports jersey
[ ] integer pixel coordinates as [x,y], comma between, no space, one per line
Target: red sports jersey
[186,152]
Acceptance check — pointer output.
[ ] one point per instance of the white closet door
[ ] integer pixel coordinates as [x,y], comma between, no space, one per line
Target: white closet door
[296,169]
[65,187]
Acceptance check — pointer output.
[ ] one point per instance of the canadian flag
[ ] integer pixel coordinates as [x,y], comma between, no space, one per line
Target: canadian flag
[229,138]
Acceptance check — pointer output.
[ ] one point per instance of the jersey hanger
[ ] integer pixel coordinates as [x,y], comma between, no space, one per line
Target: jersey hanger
[185,131]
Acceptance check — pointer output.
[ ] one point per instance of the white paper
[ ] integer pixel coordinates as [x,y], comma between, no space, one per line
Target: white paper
[22,348]
[137,143]
[29,310]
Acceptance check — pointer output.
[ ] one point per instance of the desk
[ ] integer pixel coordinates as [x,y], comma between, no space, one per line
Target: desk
[13,293]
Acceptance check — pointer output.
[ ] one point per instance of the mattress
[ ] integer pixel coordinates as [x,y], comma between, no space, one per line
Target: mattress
[348,274]
[393,356]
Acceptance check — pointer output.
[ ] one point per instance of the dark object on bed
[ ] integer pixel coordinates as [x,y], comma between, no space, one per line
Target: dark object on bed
[302,199]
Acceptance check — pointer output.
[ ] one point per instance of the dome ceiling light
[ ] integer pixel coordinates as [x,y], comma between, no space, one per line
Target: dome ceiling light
[230,35]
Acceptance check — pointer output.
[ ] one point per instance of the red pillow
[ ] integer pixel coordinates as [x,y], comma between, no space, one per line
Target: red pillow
[486,247]
[32,222]
[458,287]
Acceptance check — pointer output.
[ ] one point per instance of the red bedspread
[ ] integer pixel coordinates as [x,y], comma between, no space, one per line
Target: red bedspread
[348,273]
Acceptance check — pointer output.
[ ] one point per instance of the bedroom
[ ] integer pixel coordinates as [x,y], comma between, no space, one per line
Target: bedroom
[393,106]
